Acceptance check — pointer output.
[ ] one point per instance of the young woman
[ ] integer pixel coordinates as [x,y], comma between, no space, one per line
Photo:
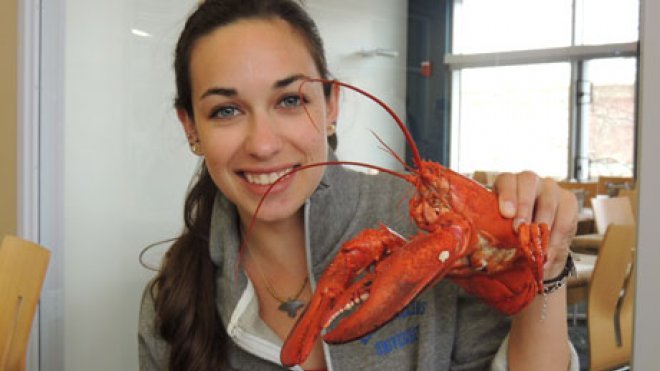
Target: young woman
[239,66]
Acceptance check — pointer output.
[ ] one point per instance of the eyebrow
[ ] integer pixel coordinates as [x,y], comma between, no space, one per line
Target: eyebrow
[227,92]
[231,92]
[288,80]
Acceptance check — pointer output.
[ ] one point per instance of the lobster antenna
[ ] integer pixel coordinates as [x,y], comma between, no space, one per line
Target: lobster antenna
[391,152]
[413,147]
[301,96]
[248,230]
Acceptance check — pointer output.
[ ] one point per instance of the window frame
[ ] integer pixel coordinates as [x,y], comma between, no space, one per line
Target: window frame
[576,55]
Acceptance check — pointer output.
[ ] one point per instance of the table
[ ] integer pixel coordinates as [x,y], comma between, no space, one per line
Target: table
[586,224]
[587,243]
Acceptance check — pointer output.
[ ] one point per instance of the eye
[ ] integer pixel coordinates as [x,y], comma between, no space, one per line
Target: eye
[292,101]
[224,112]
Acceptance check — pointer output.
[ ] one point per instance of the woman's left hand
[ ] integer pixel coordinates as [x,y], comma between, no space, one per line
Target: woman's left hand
[526,198]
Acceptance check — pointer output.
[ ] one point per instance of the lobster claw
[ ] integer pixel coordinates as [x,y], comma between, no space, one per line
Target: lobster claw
[301,339]
[395,282]
[367,248]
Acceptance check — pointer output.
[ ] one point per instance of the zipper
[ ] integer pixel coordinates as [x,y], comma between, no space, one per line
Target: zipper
[249,342]
[312,279]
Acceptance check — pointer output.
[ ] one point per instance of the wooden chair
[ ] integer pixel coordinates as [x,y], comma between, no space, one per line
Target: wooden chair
[632,196]
[611,185]
[628,310]
[587,243]
[608,210]
[609,301]
[487,178]
[22,269]
[589,189]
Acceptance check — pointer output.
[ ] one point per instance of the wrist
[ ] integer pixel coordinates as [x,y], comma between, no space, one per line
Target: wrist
[554,269]
[559,280]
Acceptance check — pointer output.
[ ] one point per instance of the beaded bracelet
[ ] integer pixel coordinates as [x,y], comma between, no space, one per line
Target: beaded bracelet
[558,282]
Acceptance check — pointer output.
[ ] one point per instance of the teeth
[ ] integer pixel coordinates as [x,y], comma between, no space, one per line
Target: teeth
[363,297]
[265,178]
[332,318]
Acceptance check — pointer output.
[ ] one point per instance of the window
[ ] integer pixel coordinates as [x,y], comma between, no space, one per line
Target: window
[609,125]
[514,118]
[482,26]
[547,85]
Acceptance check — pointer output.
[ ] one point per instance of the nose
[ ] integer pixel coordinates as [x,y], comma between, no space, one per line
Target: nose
[263,139]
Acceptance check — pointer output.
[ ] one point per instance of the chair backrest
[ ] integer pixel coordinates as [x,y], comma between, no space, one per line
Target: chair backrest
[588,189]
[608,210]
[609,318]
[627,310]
[632,196]
[487,178]
[22,269]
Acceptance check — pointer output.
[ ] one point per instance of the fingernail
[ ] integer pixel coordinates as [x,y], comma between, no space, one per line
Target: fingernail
[517,222]
[508,209]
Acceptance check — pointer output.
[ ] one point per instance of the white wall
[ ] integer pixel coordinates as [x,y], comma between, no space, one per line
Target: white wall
[116,164]
[647,301]
[125,169]
[349,27]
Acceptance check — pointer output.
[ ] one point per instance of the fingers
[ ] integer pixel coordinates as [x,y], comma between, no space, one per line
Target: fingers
[563,230]
[506,188]
[527,198]
[547,202]
[517,195]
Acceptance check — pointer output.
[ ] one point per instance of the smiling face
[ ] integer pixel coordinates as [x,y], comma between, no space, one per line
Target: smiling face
[250,118]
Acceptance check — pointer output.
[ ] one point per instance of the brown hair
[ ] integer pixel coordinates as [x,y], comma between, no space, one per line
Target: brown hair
[184,289]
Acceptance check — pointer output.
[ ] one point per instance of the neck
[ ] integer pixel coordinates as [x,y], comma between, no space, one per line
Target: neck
[277,245]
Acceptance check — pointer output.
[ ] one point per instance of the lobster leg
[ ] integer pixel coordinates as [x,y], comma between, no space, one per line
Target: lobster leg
[354,257]
[506,282]
[534,239]
[508,291]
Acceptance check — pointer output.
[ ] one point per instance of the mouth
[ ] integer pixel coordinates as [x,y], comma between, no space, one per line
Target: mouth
[265,178]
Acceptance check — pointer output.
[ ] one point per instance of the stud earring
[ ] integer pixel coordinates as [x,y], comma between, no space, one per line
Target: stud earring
[195,148]
[330,129]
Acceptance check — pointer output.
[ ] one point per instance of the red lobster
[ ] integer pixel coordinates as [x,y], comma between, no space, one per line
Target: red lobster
[462,236]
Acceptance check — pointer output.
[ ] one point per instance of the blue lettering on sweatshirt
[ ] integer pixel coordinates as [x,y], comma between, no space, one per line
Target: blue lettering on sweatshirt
[416,308]
[400,340]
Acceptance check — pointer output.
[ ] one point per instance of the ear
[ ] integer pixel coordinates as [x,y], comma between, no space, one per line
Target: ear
[188,125]
[191,131]
[333,109]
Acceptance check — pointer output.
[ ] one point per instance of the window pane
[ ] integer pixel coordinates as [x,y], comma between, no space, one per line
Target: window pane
[514,118]
[611,116]
[609,21]
[490,26]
